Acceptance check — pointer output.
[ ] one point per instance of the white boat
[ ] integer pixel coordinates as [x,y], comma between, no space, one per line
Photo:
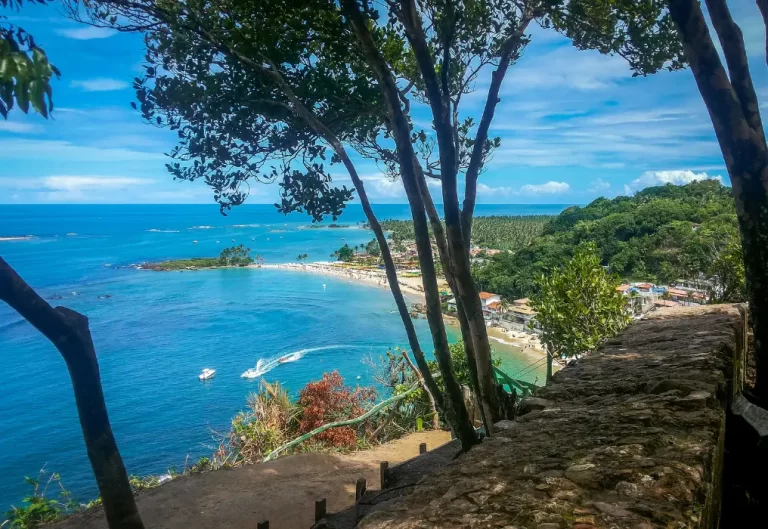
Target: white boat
[206,374]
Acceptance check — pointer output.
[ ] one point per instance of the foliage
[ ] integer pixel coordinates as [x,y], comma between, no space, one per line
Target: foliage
[235,256]
[302,257]
[498,232]
[183,264]
[39,509]
[727,273]
[328,400]
[345,253]
[460,365]
[25,72]
[660,234]
[578,305]
[271,420]
[372,248]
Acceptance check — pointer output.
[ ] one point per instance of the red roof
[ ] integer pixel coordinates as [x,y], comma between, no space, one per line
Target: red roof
[676,292]
[666,303]
[496,305]
[623,288]
[644,285]
[486,295]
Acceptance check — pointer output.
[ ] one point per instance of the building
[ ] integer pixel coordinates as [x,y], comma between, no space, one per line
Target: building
[487,298]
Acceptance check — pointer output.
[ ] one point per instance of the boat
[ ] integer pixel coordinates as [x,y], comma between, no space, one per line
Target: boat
[207,374]
[289,358]
[254,372]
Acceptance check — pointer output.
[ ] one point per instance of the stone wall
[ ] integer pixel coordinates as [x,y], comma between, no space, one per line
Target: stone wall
[629,437]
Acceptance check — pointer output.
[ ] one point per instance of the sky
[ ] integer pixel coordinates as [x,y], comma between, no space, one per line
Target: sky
[574,125]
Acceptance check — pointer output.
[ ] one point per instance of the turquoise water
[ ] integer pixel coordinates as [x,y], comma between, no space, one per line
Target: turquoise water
[157,330]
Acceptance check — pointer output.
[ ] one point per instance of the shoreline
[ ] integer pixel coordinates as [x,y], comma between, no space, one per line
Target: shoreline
[527,343]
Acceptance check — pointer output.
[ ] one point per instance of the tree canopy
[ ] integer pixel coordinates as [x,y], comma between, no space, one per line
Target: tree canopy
[577,306]
[660,234]
[25,73]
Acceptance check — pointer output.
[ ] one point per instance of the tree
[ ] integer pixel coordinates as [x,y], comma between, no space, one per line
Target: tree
[68,331]
[258,89]
[25,72]
[577,307]
[302,257]
[345,253]
[735,113]
[235,256]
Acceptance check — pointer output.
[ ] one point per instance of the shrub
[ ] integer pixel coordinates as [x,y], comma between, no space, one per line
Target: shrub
[328,400]
[38,509]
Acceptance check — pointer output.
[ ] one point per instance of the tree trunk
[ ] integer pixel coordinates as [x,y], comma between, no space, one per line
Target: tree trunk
[68,331]
[459,254]
[442,248]
[458,416]
[732,105]
[550,359]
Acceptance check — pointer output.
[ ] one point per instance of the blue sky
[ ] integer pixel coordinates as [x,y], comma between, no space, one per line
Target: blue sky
[574,126]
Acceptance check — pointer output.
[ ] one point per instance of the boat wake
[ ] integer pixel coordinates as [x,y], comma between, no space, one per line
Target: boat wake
[265,366]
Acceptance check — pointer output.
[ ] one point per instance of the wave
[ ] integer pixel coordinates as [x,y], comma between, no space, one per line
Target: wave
[265,366]
[17,237]
[245,225]
[155,230]
[201,228]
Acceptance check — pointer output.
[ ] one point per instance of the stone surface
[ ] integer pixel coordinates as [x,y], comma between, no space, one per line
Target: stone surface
[630,437]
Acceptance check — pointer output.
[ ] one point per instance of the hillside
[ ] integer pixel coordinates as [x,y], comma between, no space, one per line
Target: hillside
[660,234]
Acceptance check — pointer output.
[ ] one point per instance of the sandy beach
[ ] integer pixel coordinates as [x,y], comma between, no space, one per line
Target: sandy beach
[528,343]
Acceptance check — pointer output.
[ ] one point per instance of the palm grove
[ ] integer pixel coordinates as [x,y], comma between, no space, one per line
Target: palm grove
[283,91]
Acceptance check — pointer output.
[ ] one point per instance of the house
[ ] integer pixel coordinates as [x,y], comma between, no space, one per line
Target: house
[644,288]
[521,302]
[451,304]
[677,294]
[623,288]
[521,314]
[487,298]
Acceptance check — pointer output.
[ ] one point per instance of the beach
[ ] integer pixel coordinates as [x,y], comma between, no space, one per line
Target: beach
[528,343]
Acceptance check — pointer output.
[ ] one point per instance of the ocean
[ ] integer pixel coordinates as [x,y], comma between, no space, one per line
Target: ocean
[155,331]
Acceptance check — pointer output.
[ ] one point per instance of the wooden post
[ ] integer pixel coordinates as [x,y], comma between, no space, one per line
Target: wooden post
[360,487]
[320,510]
[422,448]
[384,474]
[264,524]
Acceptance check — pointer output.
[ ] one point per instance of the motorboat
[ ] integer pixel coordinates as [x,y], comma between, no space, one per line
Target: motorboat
[207,374]
[255,372]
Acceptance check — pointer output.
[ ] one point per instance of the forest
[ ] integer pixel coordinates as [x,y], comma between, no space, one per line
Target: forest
[499,232]
[660,234]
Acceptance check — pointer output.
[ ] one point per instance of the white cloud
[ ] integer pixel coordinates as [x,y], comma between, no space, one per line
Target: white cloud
[79,183]
[20,128]
[599,186]
[64,151]
[74,188]
[676,177]
[550,187]
[485,190]
[567,67]
[86,33]
[101,84]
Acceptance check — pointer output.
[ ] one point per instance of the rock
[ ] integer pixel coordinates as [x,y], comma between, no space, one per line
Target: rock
[505,426]
[548,526]
[612,510]
[529,404]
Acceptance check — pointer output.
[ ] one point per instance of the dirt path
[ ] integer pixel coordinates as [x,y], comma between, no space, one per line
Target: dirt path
[282,491]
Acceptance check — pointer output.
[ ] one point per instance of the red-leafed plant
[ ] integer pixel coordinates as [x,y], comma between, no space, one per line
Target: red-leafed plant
[329,400]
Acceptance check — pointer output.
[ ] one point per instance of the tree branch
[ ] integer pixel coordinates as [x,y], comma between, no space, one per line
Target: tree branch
[732,41]
[510,46]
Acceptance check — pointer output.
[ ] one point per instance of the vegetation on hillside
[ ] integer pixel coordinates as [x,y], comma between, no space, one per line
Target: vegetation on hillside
[498,232]
[660,234]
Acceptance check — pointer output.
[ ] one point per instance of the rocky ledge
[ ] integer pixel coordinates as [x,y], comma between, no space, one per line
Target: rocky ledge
[629,437]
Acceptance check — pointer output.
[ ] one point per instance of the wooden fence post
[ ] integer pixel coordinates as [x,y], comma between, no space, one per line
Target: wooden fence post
[360,486]
[384,474]
[320,510]
[422,448]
